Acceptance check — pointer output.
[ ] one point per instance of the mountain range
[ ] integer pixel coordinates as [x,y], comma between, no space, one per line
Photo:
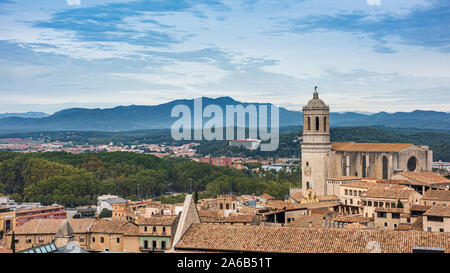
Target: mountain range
[134,117]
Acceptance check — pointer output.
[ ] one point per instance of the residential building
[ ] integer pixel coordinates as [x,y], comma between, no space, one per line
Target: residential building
[437,219]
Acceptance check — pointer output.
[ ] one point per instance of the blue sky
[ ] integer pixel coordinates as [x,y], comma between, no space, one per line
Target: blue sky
[366,55]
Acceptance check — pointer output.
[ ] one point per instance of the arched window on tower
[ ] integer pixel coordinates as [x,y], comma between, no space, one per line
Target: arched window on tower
[309,124]
[325,124]
[317,124]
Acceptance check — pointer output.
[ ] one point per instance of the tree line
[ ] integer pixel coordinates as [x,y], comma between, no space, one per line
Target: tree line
[72,180]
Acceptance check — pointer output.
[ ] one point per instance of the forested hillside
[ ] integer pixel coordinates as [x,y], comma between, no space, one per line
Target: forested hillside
[439,142]
[72,180]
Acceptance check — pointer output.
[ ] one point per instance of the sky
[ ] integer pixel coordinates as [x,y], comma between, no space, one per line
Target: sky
[365,55]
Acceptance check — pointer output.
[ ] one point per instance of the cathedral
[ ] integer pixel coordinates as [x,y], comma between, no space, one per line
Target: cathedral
[324,161]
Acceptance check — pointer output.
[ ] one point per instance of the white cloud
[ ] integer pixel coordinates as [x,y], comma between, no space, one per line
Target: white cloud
[73,2]
[374,2]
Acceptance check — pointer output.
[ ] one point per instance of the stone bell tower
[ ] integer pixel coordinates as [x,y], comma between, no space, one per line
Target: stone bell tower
[316,146]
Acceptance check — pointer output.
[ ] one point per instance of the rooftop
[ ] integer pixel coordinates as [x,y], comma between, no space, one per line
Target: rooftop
[424,178]
[438,210]
[389,192]
[306,240]
[369,147]
[437,195]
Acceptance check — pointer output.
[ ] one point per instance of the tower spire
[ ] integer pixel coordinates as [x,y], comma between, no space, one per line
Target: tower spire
[316,94]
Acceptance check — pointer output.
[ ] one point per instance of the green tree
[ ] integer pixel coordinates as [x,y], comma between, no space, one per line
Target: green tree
[196,196]
[13,242]
[106,213]
[399,204]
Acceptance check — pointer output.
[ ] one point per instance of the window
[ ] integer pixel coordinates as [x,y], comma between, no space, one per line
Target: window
[351,192]
[154,229]
[381,214]
[369,203]
[309,124]
[395,225]
[145,244]
[412,164]
[41,239]
[393,205]
[102,240]
[395,215]
[234,206]
[375,204]
[429,229]
[221,206]
[154,244]
[385,224]
[351,201]
[317,124]
[164,229]
[325,124]
[441,230]
[435,218]
[346,192]
[145,229]
[163,244]
[81,238]
[28,239]
[359,193]
[388,204]
[227,206]
[93,239]
[118,240]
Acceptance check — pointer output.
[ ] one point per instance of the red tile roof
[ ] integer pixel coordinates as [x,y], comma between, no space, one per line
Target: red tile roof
[369,147]
[306,240]
[438,210]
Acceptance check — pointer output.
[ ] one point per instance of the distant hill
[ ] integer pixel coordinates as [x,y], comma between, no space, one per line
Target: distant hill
[24,115]
[126,118]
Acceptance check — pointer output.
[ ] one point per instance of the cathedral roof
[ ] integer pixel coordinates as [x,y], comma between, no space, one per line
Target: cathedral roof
[369,147]
[65,230]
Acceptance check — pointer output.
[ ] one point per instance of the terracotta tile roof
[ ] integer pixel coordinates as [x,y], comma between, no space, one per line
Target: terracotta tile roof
[390,210]
[438,210]
[130,229]
[239,218]
[267,196]
[51,226]
[443,195]
[369,147]
[306,240]
[81,225]
[106,225]
[419,208]
[392,192]
[158,221]
[297,196]
[424,178]
[208,213]
[355,226]
[363,185]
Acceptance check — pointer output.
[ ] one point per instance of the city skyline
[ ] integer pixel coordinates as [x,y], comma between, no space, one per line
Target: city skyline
[366,55]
